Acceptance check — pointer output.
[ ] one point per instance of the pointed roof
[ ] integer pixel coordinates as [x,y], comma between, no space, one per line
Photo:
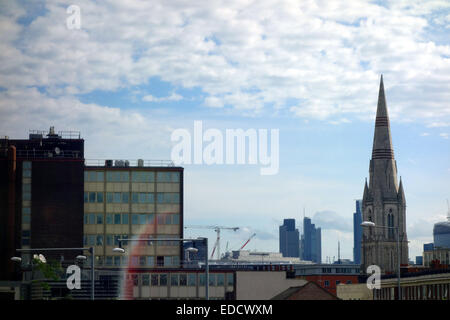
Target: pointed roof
[401,192]
[366,192]
[382,141]
[381,107]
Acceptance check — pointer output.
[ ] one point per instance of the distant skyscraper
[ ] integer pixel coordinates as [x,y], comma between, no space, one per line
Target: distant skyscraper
[311,242]
[289,239]
[384,200]
[357,233]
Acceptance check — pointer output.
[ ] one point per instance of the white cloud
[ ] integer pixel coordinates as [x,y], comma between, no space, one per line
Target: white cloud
[444,135]
[172,97]
[248,56]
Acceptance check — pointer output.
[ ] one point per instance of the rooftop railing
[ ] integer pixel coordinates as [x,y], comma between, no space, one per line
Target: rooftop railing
[127,163]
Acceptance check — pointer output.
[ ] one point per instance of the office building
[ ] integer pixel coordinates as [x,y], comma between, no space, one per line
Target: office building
[384,200]
[289,239]
[357,233]
[41,195]
[311,242]
[132,200]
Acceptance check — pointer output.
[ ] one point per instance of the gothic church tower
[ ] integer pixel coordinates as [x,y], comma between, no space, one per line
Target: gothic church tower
[383,200]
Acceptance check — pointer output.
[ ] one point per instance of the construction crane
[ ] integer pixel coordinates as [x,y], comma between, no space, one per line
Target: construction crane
[217,230]
[251,237]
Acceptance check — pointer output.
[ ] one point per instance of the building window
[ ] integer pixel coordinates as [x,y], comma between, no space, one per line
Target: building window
[154,279]
[167,261]
[117,218]
[168,176]
[327,283]
[143,176]
[99,197]
[92,197]
[142,261]
[338,282]
[125,218]
[134,218]
[109,240]
[150,261]
[220,279]
[212,279]
[230,279]
[91,218]
[109,218]
[174,279]
[100,218]
[183,280]
[145,279]
[168,197]
[201,279]
[117,197]
[163,279]
[192,280]
[160,261]
[117,261]
[99,241]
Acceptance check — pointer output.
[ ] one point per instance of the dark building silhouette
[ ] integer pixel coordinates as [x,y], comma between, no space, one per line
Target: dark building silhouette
[289,239]
[357,233]
[311,242]
[41,195]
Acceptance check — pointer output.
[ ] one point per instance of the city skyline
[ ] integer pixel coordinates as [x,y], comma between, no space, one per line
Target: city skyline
[312,72]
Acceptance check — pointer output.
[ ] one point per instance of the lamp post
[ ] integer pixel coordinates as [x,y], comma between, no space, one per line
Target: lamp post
[121,250]
[371,224]
[80,257]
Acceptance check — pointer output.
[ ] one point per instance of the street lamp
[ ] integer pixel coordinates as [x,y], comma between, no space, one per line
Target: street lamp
[16,259]
[189,250]
[371,224]
[121,250]
[81,257]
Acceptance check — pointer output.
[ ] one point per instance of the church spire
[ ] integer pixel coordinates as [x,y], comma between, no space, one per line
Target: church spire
[382,142]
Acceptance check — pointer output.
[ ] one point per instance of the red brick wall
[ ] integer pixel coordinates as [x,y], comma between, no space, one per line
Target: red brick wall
[320,280]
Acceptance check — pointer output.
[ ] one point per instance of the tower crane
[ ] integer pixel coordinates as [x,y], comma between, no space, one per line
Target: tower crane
[217,230]
[251,237]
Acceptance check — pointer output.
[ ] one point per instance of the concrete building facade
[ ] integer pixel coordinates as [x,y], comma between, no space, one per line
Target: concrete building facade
[123,201]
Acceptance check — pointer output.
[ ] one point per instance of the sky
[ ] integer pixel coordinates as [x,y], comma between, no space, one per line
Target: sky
[135,71]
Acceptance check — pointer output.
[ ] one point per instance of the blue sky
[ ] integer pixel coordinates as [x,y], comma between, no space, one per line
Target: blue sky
[137,70]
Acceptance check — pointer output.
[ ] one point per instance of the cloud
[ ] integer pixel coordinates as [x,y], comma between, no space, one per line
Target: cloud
[251,57]
[172,97]
[444,135]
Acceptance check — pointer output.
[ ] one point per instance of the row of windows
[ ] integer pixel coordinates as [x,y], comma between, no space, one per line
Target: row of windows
[113,240]
[438,291]
[136,218]
[339,270]
[26,209]
[136,197]
[182,279]
[138,261]
[136,176]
